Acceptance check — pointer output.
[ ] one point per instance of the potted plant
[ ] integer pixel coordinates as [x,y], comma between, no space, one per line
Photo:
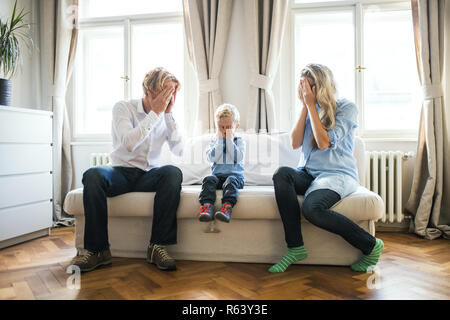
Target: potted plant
[11,33]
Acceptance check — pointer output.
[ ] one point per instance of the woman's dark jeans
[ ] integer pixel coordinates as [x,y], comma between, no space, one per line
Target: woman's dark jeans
[105,181]
[288,183]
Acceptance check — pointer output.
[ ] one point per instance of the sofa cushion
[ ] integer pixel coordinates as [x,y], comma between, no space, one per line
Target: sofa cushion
[255,202]
[265,153]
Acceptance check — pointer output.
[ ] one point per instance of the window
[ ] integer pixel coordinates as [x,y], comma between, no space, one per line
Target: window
[119,42]
[369,46]
[391,83]
[327,38]
[110,8]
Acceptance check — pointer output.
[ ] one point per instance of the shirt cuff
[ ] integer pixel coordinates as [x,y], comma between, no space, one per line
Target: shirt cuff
[332,136]
[150,120]
[170,120]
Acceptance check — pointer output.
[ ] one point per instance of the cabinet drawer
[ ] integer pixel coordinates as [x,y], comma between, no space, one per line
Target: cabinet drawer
[24,219]
[22,127]
[25,158]
[21,189]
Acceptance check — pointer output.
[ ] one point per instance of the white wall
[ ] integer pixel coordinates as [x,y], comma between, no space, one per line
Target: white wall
[25,86]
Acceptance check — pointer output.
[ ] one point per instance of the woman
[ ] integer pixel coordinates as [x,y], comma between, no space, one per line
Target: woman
[327,170]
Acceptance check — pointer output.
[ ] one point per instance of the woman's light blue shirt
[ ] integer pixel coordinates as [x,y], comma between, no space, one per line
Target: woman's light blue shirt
[333,168]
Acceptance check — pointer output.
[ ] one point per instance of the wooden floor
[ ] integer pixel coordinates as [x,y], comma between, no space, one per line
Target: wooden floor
[410,268]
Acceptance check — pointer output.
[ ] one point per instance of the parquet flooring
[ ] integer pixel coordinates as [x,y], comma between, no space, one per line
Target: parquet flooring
[410,268]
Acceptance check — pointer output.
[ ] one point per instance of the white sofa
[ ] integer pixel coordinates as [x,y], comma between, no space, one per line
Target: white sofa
[255,233]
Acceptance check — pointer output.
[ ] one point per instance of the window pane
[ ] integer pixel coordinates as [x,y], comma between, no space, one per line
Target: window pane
[327,38]
[391,84]
[98,84]
[108,8]
[158,45]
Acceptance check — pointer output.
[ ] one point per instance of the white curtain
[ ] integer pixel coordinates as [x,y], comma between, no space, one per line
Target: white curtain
[207,23]
[265,24]
[426,203]
[59,35]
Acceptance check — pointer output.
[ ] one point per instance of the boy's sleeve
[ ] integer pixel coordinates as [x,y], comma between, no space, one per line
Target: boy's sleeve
[235,150]
[215,151]
[240,148]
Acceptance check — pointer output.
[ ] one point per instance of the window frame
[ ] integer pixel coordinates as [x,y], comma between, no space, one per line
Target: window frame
[288,96]
[127,21]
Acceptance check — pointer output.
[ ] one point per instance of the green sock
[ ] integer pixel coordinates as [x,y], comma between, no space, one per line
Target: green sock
[371,259]
[293,255]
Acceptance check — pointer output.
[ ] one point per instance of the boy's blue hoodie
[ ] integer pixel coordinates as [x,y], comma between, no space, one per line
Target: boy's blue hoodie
[227,156]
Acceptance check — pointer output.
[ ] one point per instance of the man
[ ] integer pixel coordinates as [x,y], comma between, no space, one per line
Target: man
[139,129]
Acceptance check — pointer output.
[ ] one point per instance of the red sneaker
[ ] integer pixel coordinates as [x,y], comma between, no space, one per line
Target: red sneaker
[225,213]
[206,212]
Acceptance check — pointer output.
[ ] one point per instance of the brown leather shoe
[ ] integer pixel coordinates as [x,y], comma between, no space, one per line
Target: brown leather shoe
[158,256]
[91,260]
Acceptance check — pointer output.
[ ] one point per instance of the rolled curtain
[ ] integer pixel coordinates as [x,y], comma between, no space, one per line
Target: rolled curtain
[425,203]
[265,24]
[59,35]
[206,25]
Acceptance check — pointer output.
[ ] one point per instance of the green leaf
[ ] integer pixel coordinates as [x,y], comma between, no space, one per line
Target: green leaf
[12,32]
[13,14]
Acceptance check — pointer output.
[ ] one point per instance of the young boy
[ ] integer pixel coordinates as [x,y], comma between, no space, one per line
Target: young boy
[226,152]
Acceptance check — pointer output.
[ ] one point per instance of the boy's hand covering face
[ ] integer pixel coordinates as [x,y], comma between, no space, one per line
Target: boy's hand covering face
[226,128]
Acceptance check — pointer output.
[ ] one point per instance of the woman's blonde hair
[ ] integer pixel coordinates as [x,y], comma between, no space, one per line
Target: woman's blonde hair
[325,94]
[154,80]
[227,110]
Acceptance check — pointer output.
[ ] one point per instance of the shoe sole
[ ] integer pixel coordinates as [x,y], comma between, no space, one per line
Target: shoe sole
[162,268]
[104,263]
[205,218]
[220,216]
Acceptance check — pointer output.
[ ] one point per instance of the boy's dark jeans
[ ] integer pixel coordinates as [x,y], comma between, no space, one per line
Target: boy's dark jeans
[105,181]
[230,184]
[288,183]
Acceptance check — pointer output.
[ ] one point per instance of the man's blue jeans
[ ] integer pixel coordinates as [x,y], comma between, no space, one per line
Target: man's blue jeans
[288,183]
[105,181]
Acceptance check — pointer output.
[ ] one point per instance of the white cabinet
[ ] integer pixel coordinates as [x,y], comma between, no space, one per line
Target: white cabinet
[26,182]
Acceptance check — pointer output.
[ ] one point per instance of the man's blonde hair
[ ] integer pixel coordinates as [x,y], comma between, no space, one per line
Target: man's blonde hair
[154,80]
[227,110]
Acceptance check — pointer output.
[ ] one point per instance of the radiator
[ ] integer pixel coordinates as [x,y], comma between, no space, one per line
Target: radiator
[384,177]
[99,159]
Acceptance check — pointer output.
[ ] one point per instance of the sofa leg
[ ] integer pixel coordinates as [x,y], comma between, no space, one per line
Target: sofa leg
[372,227]
[212,228]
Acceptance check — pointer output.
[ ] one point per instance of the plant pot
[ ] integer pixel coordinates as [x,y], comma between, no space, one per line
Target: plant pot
[5,92]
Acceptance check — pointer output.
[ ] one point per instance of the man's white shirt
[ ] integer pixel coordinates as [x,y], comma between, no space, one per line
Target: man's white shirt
[138,137]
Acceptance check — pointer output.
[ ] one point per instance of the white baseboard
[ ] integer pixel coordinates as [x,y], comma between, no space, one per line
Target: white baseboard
[25,237]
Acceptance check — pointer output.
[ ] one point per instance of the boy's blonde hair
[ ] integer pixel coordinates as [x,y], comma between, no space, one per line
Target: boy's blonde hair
[154,80]
[227,110]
